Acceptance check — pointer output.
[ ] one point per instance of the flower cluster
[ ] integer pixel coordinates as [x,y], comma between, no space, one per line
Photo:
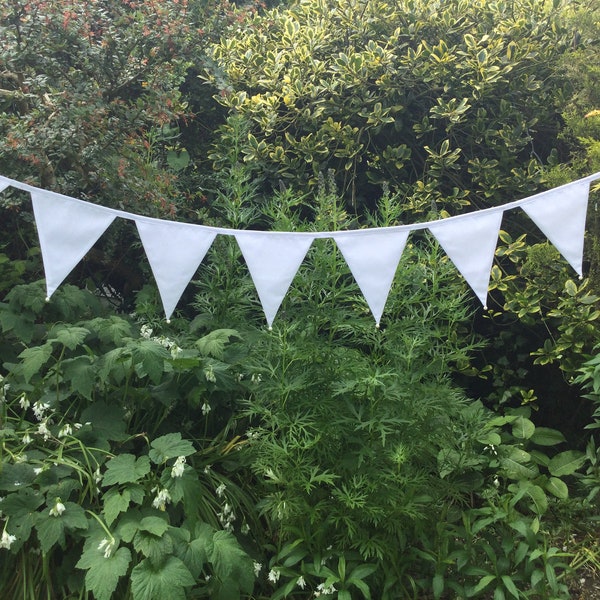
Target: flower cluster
[178,467]
[162,498]
[7,540]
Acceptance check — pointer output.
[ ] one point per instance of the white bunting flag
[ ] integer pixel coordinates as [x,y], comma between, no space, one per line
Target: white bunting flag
[3,184]
[470,242]
[560,214]
[373,257]
[67,229]
[175,251]
[273,260]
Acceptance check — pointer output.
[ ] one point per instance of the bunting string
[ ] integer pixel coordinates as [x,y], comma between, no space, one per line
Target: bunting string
[68,228]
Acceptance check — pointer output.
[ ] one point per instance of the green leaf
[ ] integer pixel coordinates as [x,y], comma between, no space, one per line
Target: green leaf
[214,343]
[523,428]
[193,552]
[231,562]
[557,487]
[544,436]
[104,573]
[149,358]
[149,582]
[154,547]
[50,531]
[344,595]
[538,496]
[74,517]
[169,446]
[154,525]
[438,585]
[69,336]
[483,583]
[516,465]
[566,463]
[115,503]
[34,359]
[126,468]
[81,372]
[108,420]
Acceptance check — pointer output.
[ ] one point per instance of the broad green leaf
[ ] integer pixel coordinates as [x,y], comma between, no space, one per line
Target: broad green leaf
[192,552]
[566,463]
[517,465]
[344,595]
[50,531]
[104,573]
[538,496]
[523,428]
[438,585]
[74,517]
[483,583]
[231,562]
[149,582]
[154,525]
[108,420]
[34,359]
[544,436]
[169,446]
[115,503]
[14,477]
[81,372]
[69,336]
[126,468]
[149,358]
[557,487]
[154,547]
[213,344]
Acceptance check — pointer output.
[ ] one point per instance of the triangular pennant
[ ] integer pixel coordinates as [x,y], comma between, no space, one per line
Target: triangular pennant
[67,229]
[273,260]
[560,214]
[174,251]
[373,257]
[470,242]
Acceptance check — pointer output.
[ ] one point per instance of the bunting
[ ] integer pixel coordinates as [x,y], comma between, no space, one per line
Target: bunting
[69,227]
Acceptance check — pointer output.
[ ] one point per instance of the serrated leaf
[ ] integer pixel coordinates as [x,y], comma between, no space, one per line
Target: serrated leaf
[230,562]
[169,446]
[69,336]
[193,552]
[104,573]
[154,525]
[214,343]
[50,531]
[566,463]
[108,420]
[154,547]
[14,477]
[81,372]
[34,359]
[115,503]
[149,358]
[126,468]
[149,582]
[74,517]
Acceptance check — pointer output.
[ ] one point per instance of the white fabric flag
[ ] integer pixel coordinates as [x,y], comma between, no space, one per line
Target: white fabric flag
[175,251]
[470,242]
[273,260]
[560,214]
[67,229]
[373,257]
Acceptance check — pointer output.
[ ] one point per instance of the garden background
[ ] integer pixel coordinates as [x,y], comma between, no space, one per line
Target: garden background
[449,453]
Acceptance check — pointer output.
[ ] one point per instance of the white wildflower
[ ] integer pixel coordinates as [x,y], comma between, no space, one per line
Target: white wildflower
[221,490]
[162,499]
[301,583]
[97,475]
[326,590]
[245,529]
[21,458]
[209,374]
[77,425]
[65,431]
[23,402]
[58,509]
[39,409]
[146,331]
[256,378]
[206,408]
[178,467]
[257,569]
[43,430]
[206,470]
[107,546]
[26,439]
[7,540]
[273,575]
[38,470]
[175,351]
